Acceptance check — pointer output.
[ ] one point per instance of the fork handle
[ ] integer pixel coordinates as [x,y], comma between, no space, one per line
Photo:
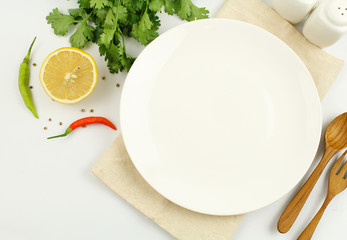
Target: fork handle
[311,227]
[293,209]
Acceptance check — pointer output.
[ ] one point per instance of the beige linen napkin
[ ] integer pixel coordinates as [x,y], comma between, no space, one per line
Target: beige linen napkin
[117,171]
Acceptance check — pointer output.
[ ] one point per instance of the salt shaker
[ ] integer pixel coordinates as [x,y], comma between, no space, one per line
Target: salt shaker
[293,11]
[327,23]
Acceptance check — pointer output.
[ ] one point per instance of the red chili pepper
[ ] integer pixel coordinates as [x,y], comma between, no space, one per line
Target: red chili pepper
[86,121]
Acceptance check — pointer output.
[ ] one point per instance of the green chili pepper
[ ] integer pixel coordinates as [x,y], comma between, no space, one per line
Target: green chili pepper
[23,82]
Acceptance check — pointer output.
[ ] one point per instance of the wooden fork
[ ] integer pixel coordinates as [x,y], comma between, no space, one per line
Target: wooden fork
[337,183]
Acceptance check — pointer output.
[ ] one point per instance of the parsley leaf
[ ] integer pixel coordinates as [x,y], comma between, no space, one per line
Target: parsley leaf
[134,5]
[127,60]
[78,13]
[145,23]
[146,29]
[185,9]
[83,34]
[172,6]
[196,13]
[60,22]
[83,3]
[98,4]
[110,19]
[100,15]
[156,5]
[113,56]
[116,57]
[121,12]
[107,37]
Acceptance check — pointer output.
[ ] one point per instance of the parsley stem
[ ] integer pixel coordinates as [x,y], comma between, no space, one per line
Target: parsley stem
[84,19]
[116,28]
[121,34]
[117,13]
[145,9]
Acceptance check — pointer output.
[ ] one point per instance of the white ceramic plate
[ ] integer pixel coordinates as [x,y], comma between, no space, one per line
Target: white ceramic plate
[220,117]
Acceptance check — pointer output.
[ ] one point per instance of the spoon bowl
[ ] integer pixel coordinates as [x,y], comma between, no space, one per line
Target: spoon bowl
[336,133]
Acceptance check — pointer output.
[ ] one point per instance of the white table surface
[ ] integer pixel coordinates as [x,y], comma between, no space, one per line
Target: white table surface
[47,190]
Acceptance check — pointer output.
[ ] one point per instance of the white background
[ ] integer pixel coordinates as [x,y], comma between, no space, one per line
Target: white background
[46,188]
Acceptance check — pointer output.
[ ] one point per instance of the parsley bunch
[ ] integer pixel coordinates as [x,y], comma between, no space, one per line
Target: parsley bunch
[106,22]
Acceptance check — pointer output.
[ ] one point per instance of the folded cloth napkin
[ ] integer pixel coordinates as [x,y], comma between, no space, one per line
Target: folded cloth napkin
[117,171]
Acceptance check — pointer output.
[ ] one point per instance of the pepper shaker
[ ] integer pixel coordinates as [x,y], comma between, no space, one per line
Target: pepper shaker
[327,23]
[293,11]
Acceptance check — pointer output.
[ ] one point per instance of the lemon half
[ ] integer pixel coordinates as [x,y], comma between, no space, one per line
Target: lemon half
[68,75]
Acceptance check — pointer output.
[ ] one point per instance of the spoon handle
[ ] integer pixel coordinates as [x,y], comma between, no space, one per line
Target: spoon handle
[293,209]
[311,227]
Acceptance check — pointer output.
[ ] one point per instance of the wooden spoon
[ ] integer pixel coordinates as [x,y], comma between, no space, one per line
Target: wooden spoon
[335,140]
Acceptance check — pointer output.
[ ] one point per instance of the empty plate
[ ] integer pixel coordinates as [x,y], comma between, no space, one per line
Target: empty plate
[220,116]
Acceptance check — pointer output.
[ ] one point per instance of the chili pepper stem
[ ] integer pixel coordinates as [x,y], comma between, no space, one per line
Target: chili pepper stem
[67,132]
[26,59]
